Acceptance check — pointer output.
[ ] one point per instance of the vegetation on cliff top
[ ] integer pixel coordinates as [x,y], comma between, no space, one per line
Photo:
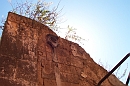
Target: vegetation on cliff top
[41,12]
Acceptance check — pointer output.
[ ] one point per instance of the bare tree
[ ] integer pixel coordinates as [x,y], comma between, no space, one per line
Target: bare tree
[40,12]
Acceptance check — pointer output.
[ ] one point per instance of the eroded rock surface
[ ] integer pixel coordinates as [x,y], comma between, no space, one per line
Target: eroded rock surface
[33,55]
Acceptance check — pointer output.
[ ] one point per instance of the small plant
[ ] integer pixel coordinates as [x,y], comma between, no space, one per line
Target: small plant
[116,73]
[71,34]
[124,73]
[38,11]
[2,22]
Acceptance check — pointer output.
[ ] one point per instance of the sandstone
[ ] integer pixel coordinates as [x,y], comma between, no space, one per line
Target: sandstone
[29,58]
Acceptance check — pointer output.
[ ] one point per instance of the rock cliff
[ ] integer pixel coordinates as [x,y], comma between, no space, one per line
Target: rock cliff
[33,55]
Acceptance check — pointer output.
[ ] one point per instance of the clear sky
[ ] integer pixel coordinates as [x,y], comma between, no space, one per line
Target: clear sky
[104,23]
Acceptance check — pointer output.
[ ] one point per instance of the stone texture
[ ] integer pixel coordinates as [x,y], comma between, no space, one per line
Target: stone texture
[26,58]
[48,82]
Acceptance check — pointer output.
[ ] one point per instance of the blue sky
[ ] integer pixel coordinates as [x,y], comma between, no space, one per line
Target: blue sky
[104,23]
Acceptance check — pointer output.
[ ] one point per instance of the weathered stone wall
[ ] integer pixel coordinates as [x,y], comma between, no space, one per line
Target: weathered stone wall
[31,57]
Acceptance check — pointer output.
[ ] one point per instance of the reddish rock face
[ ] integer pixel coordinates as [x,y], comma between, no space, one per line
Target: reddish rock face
[33,55]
